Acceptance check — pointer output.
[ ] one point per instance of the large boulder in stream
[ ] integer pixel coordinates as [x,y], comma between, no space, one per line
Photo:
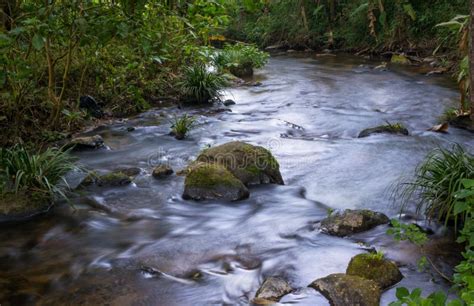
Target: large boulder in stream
[272,290]
[206,181]
[374,267]
[250,164]
[348,290]
[352,221]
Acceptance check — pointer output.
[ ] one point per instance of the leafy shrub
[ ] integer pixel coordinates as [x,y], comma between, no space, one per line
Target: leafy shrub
[464,276]
[182,125]
[40,173]
[410,232]
[405,297]
[240,55]
[436,182]
[201,85]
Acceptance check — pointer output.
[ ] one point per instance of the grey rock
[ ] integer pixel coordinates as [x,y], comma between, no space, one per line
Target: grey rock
[352,221]
[348,290]
[162,171]
[273,289]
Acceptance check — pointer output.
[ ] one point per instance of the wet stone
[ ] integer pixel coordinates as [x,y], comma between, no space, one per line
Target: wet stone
[348,290]
[162,171]
[352,221]
[383,271]
[272,289]
[86,142]
[211,181]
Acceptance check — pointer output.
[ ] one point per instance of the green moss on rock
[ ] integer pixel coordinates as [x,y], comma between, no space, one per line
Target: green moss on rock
[382,271]
[206,181]
[397,129]
[115,178]
[250,164]
[348,290]
[19,206]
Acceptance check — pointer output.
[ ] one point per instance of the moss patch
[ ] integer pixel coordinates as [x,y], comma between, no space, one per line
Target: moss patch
[209,175]
[116,178]
[212,181]
[17,205]
[251,164]
[380,270]
[396,128]
[400,59]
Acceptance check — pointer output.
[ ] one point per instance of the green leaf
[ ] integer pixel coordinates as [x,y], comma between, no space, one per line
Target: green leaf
[402,292]
[408,8]
[416,293]
[361,8]
[38,41]
[467,183]
[460,207]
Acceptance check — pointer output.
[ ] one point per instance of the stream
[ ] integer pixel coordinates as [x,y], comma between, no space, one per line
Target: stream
[151,247]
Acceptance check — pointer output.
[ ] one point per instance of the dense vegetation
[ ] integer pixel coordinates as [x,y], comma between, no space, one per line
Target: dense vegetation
[443,189]
[348,24]
[126,54]
[129,55]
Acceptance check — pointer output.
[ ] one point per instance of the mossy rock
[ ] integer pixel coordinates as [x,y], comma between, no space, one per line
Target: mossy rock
[400,59]
[250,164]
[272,289]
[162,171]
[115,178]
[348,290]
[241,71]
[462,122]
[112,179]
[206,181]
[16,207]
[384,272]
[352,221]
[86,142]
[397,129]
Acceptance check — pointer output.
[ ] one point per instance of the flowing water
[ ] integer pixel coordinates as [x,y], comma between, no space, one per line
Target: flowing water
[150,247]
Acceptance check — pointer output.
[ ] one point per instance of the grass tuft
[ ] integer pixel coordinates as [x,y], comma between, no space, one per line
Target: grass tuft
[40,174]
[201,85]
[437,179]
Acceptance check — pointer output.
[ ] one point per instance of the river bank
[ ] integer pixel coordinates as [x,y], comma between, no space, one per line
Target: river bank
[161,249]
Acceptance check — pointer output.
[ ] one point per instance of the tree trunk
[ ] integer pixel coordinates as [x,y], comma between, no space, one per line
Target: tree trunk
[471,63]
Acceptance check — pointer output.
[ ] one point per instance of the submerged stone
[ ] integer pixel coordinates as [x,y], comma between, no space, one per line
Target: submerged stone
[162,171]
[348,290]
[385,129]
[384,272]
[87,142]
[228,102]
[352,221]
[250,164]
[206,181]
[272,290]
[115,178]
